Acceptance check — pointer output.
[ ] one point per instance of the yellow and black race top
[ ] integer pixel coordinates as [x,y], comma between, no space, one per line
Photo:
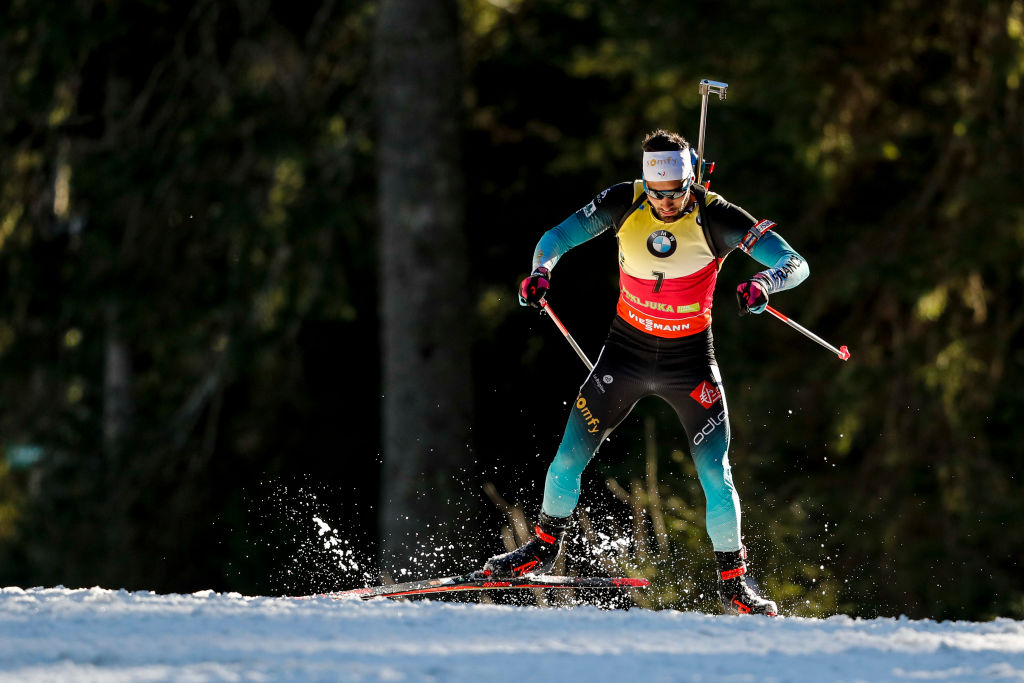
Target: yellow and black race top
[668,270]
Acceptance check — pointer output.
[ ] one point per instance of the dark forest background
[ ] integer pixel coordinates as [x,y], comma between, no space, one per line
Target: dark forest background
[258,263]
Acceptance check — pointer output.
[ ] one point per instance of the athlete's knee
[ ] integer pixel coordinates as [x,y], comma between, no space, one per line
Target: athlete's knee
[712,465]
[570,460]
[719,490]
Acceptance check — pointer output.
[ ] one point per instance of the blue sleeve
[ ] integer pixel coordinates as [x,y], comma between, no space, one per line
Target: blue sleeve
[555,242]
[786,268]
[599,215]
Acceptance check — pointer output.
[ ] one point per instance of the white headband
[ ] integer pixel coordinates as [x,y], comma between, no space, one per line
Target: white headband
[674,165]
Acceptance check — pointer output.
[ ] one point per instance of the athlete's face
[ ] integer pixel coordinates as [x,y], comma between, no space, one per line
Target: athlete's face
[667,208]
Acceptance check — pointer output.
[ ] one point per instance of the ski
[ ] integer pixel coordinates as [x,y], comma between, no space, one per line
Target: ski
[477,582]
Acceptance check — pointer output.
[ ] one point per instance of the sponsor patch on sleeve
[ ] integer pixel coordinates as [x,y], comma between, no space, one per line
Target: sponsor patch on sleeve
[754,234]
[590,208]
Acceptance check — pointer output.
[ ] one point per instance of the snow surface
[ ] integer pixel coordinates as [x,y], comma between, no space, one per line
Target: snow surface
[53,634]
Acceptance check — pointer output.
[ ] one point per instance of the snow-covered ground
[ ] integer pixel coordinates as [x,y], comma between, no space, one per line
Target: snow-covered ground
[103,635]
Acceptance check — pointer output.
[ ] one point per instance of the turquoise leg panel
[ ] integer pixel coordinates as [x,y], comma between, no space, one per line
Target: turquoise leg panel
[562,486]
[711,457]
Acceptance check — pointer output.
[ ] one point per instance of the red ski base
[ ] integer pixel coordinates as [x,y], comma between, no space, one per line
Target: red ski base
[476,582]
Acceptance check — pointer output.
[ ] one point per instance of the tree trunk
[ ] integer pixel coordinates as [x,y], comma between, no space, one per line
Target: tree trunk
[425,337]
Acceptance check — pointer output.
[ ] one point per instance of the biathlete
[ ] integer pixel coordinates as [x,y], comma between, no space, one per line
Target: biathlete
[673,236]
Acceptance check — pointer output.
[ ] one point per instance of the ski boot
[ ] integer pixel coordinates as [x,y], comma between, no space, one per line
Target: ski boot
[737,596]
[537,556]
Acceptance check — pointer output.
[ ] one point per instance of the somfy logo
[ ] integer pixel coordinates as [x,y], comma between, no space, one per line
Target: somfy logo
[588,417]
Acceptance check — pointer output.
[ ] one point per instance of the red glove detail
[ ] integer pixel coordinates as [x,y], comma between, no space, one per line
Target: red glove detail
[751,297]
[533,288]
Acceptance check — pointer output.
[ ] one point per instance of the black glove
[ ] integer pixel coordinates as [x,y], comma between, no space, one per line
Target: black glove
[533,288]
[752,296]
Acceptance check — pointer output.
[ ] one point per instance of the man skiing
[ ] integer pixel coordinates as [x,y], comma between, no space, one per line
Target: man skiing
[673,236]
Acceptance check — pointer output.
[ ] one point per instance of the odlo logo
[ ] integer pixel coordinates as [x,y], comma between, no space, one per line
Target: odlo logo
[706,394]
[592,422]
[708,429]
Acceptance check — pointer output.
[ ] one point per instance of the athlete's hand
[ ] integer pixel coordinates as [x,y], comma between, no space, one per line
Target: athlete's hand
[751,296]
[533,288]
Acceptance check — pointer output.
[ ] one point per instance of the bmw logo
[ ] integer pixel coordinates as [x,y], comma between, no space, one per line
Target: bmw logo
[661,243]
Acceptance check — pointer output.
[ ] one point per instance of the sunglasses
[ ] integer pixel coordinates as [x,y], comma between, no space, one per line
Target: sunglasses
[668,194]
